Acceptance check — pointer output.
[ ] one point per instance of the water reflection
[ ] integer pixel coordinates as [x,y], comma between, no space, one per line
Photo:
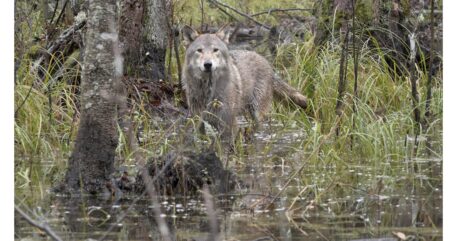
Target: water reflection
[359,200]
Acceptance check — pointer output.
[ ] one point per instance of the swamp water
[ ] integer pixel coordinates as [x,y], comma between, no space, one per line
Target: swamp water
[329,199]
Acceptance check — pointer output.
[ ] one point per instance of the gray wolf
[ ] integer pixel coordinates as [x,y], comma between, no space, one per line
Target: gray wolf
[221,84]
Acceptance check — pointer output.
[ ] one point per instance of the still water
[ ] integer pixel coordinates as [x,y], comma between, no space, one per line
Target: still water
[354,199]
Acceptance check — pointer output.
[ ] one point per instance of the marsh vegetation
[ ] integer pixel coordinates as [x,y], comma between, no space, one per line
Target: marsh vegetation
[363,161]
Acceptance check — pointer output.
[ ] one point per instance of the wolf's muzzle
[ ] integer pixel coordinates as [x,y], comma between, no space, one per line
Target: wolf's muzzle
[207,66]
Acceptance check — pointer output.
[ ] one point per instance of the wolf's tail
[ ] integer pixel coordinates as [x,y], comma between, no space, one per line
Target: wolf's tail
[283,91]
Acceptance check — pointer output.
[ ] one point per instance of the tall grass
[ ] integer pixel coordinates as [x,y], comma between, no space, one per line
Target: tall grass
[47,118]
[384,115]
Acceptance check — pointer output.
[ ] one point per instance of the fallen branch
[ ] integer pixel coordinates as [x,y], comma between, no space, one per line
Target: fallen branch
[240,13]
[64,38]
[226,13]
[42,226]
[269,11]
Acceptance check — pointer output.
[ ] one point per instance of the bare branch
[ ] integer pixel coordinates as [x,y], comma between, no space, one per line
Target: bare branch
[240,13]
[271,10]
[42,226]
[65,37]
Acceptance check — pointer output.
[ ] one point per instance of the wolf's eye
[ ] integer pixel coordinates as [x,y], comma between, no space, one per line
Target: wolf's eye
[215,50]
[199,50]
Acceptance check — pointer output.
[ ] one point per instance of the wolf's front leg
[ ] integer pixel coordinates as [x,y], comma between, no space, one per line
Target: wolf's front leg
[222,117]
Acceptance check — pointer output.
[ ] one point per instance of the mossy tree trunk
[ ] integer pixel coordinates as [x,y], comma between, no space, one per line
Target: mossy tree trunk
[130,29]
[155,38]
[326,10]
[92,160]
[144,35]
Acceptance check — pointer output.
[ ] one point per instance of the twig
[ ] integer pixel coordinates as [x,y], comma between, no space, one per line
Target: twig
[61,12]
[42,226]
[53,12]
[202,20]
[240,13]
[280,10]
[226,13]
[25,99]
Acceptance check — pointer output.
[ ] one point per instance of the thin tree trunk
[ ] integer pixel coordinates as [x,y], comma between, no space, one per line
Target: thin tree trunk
[92,160]
[356,63]
[45,9]
[430,65]
[376,9]
[428,100]
[342,81]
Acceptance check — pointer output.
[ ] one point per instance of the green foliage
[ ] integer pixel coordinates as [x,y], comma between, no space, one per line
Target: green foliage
[46,100]
[189,12]
[383,106]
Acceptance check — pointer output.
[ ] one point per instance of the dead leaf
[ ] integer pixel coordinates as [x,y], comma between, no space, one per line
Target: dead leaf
[399,235]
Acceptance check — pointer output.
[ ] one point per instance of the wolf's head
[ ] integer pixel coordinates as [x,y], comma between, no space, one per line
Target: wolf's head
[207,53]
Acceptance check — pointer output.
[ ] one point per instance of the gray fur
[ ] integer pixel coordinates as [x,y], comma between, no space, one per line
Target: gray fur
[238,81]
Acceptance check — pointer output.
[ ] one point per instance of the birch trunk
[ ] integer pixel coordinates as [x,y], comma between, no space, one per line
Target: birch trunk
[92,160]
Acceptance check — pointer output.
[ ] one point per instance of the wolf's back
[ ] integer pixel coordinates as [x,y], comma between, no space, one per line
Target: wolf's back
[256,72]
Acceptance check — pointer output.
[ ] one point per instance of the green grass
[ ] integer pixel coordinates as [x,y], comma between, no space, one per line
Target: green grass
[45,128]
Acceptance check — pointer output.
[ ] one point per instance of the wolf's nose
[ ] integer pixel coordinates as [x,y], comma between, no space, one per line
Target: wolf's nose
[208,66]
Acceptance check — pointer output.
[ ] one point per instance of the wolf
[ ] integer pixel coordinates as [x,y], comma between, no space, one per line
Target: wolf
[221,84]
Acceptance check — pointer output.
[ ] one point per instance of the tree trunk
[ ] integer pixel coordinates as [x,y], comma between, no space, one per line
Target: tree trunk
[326,10]
[92,160]
[155,35]
[130,29]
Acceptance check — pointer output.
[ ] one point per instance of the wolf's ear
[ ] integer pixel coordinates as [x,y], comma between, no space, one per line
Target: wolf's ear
[224,34]
[189,35]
